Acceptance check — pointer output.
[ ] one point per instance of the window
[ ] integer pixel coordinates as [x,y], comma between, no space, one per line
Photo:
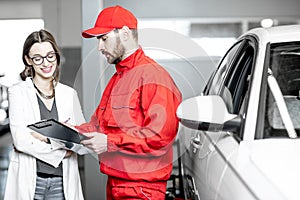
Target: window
[232,79]
[237,81]
[284,63]
[205,35]
[215,84]
[12,41]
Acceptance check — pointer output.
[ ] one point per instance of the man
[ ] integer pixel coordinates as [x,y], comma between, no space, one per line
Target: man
[135,124]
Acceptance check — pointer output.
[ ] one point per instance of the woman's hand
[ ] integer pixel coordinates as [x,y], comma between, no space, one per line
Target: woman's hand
[39,137]
[68,154]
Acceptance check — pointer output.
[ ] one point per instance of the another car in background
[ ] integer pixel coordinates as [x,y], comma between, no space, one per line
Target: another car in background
[239,140]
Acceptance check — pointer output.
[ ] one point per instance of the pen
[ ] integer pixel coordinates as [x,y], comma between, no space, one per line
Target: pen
[67,120]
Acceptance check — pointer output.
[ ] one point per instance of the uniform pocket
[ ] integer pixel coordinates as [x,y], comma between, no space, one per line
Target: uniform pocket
[124,110]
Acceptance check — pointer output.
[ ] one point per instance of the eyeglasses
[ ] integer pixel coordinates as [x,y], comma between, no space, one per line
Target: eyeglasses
[38,59]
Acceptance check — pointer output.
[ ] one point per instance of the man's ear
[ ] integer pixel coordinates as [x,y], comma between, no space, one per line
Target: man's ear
[126,33]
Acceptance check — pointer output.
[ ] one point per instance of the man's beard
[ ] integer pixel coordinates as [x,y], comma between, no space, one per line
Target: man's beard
[118,52]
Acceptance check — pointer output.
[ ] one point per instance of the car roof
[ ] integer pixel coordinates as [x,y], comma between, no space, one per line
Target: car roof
[276,34]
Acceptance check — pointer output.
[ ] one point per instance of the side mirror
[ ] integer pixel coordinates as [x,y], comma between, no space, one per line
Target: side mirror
[207,113]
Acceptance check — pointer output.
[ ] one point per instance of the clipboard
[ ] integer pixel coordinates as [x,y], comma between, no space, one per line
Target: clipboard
[67,137]
[55,129]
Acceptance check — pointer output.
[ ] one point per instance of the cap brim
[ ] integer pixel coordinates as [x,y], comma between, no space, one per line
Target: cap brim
[95,32]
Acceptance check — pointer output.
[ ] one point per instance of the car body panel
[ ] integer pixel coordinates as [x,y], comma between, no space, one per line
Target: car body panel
[221,163]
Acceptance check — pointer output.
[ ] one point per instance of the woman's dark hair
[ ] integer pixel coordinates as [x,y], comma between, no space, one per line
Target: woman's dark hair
[38,37]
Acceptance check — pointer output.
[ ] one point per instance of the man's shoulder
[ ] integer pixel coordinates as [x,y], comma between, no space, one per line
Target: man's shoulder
[154,69]
[148,64]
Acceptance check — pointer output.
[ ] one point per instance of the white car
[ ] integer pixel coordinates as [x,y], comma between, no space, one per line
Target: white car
[239,139]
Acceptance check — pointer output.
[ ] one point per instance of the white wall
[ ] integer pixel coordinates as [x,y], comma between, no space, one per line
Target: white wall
[62,17]
[210,8]
[20,9]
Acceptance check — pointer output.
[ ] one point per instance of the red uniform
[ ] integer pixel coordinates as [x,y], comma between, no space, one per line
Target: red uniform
[137,112]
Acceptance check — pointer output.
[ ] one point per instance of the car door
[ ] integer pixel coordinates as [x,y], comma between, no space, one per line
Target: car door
[214,176]
[195,146]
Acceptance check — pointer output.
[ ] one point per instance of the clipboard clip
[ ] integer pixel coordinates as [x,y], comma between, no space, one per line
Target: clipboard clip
[42,124]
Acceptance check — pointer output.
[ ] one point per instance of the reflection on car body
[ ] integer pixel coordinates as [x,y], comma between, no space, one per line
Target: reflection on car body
[237,139]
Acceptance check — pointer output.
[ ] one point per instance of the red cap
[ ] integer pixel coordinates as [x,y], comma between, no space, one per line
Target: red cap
[109,19]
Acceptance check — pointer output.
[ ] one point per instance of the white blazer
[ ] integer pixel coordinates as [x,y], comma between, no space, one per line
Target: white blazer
[24,110]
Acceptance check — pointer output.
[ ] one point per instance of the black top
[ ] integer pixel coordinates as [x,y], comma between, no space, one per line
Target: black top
[43,167]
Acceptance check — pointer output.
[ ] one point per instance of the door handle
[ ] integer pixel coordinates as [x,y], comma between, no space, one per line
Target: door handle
[196,143]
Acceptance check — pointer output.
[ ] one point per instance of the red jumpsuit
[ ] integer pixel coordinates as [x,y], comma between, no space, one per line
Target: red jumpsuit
[138,113]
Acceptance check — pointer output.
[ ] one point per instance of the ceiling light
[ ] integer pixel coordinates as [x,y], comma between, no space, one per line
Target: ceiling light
[267,23]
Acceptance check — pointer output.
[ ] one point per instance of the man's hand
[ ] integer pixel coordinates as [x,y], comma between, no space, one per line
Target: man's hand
[97,142]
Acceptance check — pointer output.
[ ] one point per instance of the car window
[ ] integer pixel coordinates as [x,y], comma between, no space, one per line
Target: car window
[217,78]
[231,79]
[284,64]
[237,80]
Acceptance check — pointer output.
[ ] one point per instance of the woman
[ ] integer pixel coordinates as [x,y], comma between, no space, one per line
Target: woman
[39,169]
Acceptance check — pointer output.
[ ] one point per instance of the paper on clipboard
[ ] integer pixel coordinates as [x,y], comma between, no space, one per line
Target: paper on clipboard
[77,148]
[62,135]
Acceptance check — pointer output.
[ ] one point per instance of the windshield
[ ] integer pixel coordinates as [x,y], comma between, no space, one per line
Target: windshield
[285,67]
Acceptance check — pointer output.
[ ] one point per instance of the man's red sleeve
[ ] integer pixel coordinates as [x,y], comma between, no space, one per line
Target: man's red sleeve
[92,126]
